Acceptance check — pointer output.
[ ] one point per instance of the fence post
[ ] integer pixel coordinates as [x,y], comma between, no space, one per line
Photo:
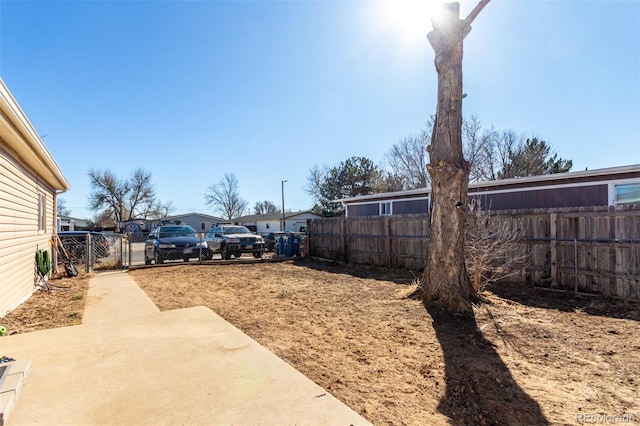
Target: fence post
[130,253]
[575,264]
[553,249]
[308,242]
[613,261]
[88,248]
[387,234]
[343,229]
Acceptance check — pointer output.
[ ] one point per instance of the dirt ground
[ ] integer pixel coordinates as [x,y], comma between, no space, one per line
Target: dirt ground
[529,356]
[63,305]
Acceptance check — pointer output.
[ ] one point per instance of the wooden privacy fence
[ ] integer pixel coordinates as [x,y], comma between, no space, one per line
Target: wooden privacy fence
[391,241]
[594,250]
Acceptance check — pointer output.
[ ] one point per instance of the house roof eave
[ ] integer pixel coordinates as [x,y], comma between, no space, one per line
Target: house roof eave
[23,140]
[502,182]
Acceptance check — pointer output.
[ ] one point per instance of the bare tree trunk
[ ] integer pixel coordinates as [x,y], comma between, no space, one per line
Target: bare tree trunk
[445,281]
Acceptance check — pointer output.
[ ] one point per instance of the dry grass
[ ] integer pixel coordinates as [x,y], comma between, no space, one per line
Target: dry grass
[62,306]
[529,357]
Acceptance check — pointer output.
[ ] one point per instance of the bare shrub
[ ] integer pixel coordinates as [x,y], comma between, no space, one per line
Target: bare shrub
[493,251]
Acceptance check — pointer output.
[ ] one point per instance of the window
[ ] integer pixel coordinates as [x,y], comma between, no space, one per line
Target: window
[627,193]
[385,208]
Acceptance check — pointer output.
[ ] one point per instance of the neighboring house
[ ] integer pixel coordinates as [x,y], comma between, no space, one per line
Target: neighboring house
[601,187]
[67,223]
[30,181]
[198,221]
[266,223]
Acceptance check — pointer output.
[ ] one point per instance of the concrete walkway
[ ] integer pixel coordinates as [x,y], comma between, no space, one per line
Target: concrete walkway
[129,363]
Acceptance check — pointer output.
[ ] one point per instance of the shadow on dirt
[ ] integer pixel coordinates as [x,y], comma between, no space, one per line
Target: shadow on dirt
[520,293]
[479,387]
[566,301]
[404,277]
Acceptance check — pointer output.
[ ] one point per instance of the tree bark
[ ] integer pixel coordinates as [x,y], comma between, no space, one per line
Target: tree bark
[445,281]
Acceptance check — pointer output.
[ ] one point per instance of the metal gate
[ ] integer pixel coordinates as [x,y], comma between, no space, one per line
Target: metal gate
[94,252]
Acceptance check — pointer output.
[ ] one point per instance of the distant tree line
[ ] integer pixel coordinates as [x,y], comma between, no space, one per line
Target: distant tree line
[119,200]
[492,155]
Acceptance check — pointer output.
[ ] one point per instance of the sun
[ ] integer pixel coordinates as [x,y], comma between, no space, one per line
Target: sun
[411,17]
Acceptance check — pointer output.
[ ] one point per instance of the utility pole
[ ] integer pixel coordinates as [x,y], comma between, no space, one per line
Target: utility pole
[283,217]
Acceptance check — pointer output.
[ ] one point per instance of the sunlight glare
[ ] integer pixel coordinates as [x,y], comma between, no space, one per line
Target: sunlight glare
[411,17]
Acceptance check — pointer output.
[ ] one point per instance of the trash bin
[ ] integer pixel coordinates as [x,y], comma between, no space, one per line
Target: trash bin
[295,249]
[288,249]
[279,246]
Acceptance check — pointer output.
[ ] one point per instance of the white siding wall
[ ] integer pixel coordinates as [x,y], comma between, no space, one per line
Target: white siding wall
[19,234]
[296,225]
[197,221]
[261,226]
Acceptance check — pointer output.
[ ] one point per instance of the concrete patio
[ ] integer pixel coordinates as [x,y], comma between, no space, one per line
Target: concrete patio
[129,363]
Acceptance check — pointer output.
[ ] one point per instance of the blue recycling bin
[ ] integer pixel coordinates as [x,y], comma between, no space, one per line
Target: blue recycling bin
[280,246]
[289,246]
[295,245]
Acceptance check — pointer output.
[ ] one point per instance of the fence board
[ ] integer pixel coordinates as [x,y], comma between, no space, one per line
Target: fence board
[595,249]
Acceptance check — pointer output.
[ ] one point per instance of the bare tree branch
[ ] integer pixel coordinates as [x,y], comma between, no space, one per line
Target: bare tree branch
[493,251]
[224,197]
[472,16]
[123,199]
[265,207]
[407,161]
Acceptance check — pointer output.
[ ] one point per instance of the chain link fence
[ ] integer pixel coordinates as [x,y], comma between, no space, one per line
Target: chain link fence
[194,250]
[97,251]
[93,251]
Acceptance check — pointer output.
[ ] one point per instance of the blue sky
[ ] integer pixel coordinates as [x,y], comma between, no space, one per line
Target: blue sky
[191,90]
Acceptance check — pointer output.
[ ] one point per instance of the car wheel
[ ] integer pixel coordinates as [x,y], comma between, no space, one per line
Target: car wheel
[225,253]
[147,261]
[237,254]
[157,258]
[185,258]
[257,254]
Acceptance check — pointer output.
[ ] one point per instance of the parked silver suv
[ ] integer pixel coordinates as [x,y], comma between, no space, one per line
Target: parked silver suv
[234,240]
